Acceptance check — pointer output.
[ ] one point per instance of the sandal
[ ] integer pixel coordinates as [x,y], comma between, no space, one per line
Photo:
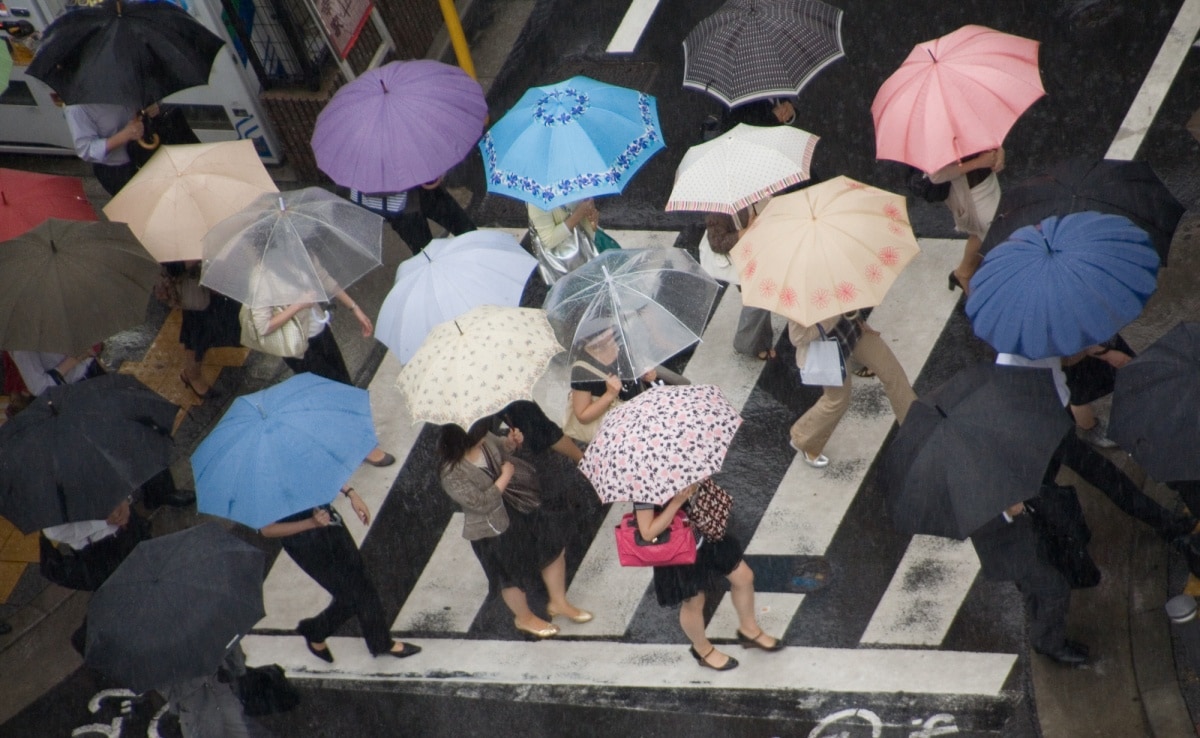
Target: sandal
[765,355]
[188,383]
[730,663]
[748,642]
[864,372]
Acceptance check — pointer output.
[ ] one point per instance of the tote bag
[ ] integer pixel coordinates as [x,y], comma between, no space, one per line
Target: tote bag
[823,364]
[290,340]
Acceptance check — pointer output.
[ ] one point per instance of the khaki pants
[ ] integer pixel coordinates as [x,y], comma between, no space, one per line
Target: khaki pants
[812,431]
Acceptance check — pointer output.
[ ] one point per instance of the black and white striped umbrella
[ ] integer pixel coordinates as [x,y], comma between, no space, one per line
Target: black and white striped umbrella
[757,49]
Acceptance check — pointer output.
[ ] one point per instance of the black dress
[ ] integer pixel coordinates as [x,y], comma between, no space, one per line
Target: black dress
[588,381]
[516,557]
[715,560]
[1091,377]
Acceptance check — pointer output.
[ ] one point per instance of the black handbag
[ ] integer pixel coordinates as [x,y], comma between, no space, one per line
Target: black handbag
[265,690]
[1063,534]
[87,568]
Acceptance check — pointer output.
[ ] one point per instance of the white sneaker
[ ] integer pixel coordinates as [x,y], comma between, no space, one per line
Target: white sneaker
[820,462]
[1096,435]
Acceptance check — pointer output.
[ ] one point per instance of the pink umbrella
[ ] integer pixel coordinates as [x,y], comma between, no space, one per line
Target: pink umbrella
[955,96]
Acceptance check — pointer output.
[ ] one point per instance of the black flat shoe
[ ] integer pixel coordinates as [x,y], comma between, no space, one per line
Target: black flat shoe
[703,660]
[952,282]
[748,642]
[408,649]
[387,460]
[326,655]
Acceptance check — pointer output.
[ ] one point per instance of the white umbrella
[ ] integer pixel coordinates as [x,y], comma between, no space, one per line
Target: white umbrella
[288,247]
[484,267]
[741,167]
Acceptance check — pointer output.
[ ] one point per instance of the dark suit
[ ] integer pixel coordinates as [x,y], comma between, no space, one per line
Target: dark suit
[1012,552]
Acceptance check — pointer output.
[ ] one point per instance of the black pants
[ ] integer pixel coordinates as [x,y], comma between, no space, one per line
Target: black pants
[1047,600]
[1105,476]
[436,205]
[322,358]
[330,556]
[113,178]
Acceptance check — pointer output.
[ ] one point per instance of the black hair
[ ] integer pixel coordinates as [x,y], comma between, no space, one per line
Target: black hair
[454,442]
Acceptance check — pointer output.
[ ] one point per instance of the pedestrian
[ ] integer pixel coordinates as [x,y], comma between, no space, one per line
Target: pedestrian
[516,543]
[317,540]
[538,431]
[209,320]
[686,585]
[208,706]
[974,195]
[322,357]
[1009,550]
[1092,374]
[100,133]
[563,237]
[41,370]
[409,212]
[596,386]
[857,340]
[754,335]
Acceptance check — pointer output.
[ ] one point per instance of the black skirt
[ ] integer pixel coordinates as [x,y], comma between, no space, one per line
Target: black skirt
[715,560]
[213,327]
[516,557]
[1091,378]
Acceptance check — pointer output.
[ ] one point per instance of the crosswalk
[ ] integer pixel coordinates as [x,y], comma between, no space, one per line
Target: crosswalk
[906,630]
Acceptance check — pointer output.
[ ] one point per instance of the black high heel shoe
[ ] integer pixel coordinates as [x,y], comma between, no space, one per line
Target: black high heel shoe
[952,282]
[730,663]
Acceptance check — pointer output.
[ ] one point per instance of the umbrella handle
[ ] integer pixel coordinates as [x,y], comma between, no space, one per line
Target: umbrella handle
[151,144]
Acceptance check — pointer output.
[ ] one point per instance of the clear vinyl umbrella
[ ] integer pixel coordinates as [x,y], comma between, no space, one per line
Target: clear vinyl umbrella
[288,247]
[656,301]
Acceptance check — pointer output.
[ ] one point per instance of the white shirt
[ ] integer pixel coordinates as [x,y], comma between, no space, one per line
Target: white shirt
[92,124]
[79,534]
[33,366]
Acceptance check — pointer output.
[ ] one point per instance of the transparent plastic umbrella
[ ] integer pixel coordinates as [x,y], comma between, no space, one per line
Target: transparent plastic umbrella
[288,247]
[656,301]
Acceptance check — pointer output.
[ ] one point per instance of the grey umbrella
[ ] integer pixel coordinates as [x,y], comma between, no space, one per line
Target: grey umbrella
[174,607]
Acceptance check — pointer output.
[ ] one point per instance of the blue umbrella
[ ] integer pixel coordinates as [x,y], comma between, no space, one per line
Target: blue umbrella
[570,141]
[1055,288]
[285,449]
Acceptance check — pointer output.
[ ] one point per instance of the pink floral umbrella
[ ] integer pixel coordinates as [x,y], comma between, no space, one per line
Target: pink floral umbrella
[827,249]
[653,446]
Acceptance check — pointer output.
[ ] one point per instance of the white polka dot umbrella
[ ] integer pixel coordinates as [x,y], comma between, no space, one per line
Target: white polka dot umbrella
[831,248]
[653,446]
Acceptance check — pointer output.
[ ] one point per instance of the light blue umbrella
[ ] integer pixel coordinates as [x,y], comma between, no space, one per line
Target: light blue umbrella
[570,141]
[282,450]
[1055,288]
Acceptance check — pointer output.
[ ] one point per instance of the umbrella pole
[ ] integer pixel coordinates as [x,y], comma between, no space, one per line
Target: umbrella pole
[457,38]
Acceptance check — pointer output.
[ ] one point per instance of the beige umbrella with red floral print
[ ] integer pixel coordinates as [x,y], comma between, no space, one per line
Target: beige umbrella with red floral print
[831,248]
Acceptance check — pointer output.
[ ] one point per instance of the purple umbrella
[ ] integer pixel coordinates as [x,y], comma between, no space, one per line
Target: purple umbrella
[399,125]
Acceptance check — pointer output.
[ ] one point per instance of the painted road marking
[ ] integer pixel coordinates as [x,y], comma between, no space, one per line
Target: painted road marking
[633,25]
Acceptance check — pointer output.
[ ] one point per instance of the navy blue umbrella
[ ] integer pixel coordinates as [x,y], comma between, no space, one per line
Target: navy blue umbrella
[1062,285]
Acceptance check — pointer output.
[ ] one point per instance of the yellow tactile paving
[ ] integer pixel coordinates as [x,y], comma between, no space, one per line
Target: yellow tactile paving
[10,574]
[21,548]
[1193,586]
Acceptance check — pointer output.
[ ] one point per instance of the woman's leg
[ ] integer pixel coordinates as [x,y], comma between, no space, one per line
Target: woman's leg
[518,605]
[969,263]
[741,591]
[555,578]
[691,619]
[812,431]
[192,370]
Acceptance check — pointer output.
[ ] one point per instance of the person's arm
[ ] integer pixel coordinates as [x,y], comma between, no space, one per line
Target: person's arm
[993,159]
[91,145]
[1115,357]
[319,519]
[267,321]
[587,407]
[651,526]
[363,321]
[356,503]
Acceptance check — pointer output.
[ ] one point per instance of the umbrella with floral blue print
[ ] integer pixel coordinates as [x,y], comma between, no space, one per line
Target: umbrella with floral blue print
[570,141]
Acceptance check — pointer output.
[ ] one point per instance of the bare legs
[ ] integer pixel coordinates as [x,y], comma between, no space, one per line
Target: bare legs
[554,576]
[970,262]
[741,593]
[192,373]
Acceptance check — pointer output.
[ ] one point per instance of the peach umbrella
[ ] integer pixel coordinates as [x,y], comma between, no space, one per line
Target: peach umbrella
[955,96]
[827,249]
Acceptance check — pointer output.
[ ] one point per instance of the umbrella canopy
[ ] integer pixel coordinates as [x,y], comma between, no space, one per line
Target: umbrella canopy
[79,449]
[1127,188]
[754,49]
[399,125]
[971,448]
[66,285]
[27,199]
[1156,406]
[300,246]
[124,53]
[282,450]
[653,446]
[827,249]
[656,301]
[6,65]
[741,167]
[570,141]
[475,365]
[477,268]
[174,608]
[1068,283]
[183,191]
[955,96]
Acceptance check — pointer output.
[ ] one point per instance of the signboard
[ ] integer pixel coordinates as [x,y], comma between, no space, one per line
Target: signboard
[343,21]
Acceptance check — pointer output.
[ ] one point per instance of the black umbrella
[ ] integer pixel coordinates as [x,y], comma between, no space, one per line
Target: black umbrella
[1127,188]
[174,607]
[1156,406]
[971,448]
[80,449]
[124,53]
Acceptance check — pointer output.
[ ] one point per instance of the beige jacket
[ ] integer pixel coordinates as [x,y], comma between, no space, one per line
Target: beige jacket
[476,492]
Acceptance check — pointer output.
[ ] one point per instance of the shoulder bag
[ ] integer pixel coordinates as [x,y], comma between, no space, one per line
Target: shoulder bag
[675,546]
[823,362]
[709,510]
[572,425]
[523,490]
[574,252]
[290,340]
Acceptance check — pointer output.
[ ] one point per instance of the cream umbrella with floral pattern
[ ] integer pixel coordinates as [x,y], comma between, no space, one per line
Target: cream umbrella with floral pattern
[831,248]
[475,365]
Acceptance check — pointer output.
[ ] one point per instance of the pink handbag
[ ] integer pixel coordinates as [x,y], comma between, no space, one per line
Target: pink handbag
[675,546]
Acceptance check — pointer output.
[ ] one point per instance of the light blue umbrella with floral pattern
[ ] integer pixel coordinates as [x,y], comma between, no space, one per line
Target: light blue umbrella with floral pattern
[569,141]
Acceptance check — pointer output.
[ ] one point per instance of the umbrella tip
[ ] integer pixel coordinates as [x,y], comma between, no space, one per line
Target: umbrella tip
[932,58]
[3,198]
[53,246]
[459,327]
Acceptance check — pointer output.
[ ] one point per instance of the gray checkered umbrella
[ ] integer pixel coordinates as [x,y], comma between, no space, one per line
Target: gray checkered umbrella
[756,49]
